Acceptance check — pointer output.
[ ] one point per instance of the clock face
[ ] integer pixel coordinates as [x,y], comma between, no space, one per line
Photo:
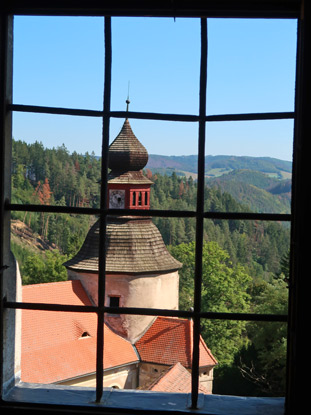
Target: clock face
[116,199]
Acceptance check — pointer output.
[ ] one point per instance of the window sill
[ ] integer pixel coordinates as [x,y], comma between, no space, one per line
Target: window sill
[121,401]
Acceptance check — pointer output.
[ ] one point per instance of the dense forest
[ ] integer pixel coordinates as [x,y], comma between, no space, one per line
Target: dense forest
[245,263]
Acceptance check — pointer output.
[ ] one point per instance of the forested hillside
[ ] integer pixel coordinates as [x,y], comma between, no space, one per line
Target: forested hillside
[217,165]
[257,245]
[50,177]
[245,263]
[257,190]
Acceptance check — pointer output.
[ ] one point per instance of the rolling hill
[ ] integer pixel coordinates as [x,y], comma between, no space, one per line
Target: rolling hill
[262,183]
[256,190]
[218,165]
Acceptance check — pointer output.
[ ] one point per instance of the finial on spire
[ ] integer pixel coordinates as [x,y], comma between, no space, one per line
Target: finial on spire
[128,98]
[127,105]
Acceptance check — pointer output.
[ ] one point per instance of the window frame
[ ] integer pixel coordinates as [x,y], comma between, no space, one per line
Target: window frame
[300,226]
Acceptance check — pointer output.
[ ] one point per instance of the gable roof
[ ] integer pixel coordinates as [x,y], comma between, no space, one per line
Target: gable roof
[62,345]
[176,379]
[169,340]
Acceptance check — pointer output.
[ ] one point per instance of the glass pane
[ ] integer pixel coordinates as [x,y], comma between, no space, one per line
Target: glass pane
[249,166]
[58,347]
[43,242]
[243,263]
[158,61]
[180,236]
[56,160]
[140,262]
[172,160]
[251,65]
[164,345]
[253,364]
[58,61]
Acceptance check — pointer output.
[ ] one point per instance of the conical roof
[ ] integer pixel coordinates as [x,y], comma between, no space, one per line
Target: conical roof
[133,245]
[126,153]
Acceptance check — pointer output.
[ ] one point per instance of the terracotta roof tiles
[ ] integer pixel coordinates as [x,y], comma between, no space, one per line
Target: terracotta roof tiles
[169,340]
[67,348]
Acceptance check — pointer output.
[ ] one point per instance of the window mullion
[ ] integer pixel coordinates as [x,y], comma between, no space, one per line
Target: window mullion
[103,217]
[200,217]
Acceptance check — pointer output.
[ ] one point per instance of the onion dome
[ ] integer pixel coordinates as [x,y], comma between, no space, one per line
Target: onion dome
[133,246]
[126,153]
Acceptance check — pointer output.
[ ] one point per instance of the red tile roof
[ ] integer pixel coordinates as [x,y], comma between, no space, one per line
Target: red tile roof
[169,340]
[176,379]
[62,345]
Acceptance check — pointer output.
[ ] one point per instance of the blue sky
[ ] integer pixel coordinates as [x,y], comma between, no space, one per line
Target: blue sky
[251,68]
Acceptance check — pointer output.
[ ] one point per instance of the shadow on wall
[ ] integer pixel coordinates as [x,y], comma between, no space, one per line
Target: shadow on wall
[12,291]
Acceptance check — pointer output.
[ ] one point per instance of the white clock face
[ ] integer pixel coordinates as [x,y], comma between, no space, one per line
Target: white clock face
[116,199]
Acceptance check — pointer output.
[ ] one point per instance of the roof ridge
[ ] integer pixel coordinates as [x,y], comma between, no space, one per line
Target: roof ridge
[28,286]
[190,328]
[207,349]
[163,374]
[145,331]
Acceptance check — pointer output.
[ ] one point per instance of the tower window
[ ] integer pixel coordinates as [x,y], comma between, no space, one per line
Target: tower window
[114,301]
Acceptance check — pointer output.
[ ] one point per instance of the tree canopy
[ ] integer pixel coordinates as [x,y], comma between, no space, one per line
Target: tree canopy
[224,289]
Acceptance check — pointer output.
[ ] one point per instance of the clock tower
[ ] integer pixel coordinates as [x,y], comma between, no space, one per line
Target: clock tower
[140,272]
[128,188]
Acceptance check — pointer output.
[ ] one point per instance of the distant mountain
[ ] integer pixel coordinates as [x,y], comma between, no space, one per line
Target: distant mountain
[262,183]
[177,163]
[219,165]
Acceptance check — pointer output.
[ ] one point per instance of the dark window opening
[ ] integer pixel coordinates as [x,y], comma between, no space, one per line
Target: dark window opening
[114,301]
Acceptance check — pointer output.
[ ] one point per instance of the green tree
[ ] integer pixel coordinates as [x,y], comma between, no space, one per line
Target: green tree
[44,268]
[224,289]
[264,361]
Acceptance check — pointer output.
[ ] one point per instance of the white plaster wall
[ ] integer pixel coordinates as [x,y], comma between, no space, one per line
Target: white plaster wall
[122,378]
[146,291]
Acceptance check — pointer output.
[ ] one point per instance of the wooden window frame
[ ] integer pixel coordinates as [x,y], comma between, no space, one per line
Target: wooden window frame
[299,217]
